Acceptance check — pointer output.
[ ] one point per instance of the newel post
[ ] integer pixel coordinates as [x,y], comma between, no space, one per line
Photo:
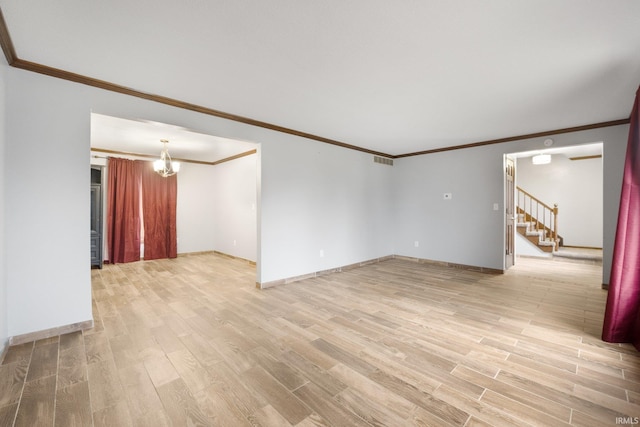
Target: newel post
[555,224]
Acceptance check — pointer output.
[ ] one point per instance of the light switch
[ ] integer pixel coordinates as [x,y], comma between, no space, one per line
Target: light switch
[496,206]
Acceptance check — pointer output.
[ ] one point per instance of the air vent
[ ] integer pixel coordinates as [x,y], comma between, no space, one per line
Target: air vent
[383,160]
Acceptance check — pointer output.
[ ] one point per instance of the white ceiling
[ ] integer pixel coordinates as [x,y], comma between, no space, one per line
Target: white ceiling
[594,149]
[143,137]
[390,76]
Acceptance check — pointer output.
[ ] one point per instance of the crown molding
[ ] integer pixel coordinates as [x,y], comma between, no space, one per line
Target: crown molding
[150,156]
[595,156]
[237,156]
[102,84]
[5,41]
[13,60]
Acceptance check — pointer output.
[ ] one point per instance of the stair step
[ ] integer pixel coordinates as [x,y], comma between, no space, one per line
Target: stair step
[538,238]
[537,232]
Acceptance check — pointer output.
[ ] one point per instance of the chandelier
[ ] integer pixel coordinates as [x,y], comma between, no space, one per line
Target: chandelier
[164,166]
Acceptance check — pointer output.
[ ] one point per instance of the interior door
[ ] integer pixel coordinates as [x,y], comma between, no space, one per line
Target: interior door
[96,217]
[509,189]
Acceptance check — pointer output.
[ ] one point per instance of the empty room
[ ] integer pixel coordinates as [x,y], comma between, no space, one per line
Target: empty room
[319,213]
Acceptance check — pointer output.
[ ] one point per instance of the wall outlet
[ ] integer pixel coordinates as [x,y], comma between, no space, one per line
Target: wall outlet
[447,196]
[416,244]
[234,242]
[496,206]
[321,253]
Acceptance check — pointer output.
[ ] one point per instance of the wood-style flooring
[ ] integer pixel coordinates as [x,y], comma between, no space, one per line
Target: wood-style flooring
[191,342]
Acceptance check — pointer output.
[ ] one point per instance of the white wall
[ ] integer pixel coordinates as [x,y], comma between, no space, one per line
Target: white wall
[615,149]
[317,197]
[47,203]
[576,186]
[4,334]
[465,229]
[232,193]
[195,210]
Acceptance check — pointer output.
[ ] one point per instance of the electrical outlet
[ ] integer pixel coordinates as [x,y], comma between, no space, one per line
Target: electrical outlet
[416,244]
[496,206]
[321,253]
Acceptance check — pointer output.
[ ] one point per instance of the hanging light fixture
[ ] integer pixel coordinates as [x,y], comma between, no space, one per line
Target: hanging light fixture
[164,166]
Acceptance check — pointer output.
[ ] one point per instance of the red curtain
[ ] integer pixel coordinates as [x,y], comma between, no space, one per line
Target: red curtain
[622,316]
[159,197]
[123,210]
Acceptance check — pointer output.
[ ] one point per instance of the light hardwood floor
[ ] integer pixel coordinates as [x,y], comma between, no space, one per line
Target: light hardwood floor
[192,342]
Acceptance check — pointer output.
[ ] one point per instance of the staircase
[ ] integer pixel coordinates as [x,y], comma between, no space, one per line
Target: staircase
[537,221]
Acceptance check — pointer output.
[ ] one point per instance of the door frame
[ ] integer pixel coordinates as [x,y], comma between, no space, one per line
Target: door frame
[509,168]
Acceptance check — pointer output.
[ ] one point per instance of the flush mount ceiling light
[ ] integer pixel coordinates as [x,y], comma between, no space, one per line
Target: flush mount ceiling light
[541,159]
[164,166]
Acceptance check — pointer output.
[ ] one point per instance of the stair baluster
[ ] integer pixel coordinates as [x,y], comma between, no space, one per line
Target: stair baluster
[544,224]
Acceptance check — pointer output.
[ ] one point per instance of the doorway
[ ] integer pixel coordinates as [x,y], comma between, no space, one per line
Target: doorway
[573,179]
[218,204]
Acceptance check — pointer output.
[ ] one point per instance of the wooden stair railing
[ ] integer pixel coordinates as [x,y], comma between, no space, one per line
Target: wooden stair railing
[541,217]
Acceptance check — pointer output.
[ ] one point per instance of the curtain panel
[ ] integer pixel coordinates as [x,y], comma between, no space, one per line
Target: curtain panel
[159,197]
[138,199]
[622,315]
[123,210]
